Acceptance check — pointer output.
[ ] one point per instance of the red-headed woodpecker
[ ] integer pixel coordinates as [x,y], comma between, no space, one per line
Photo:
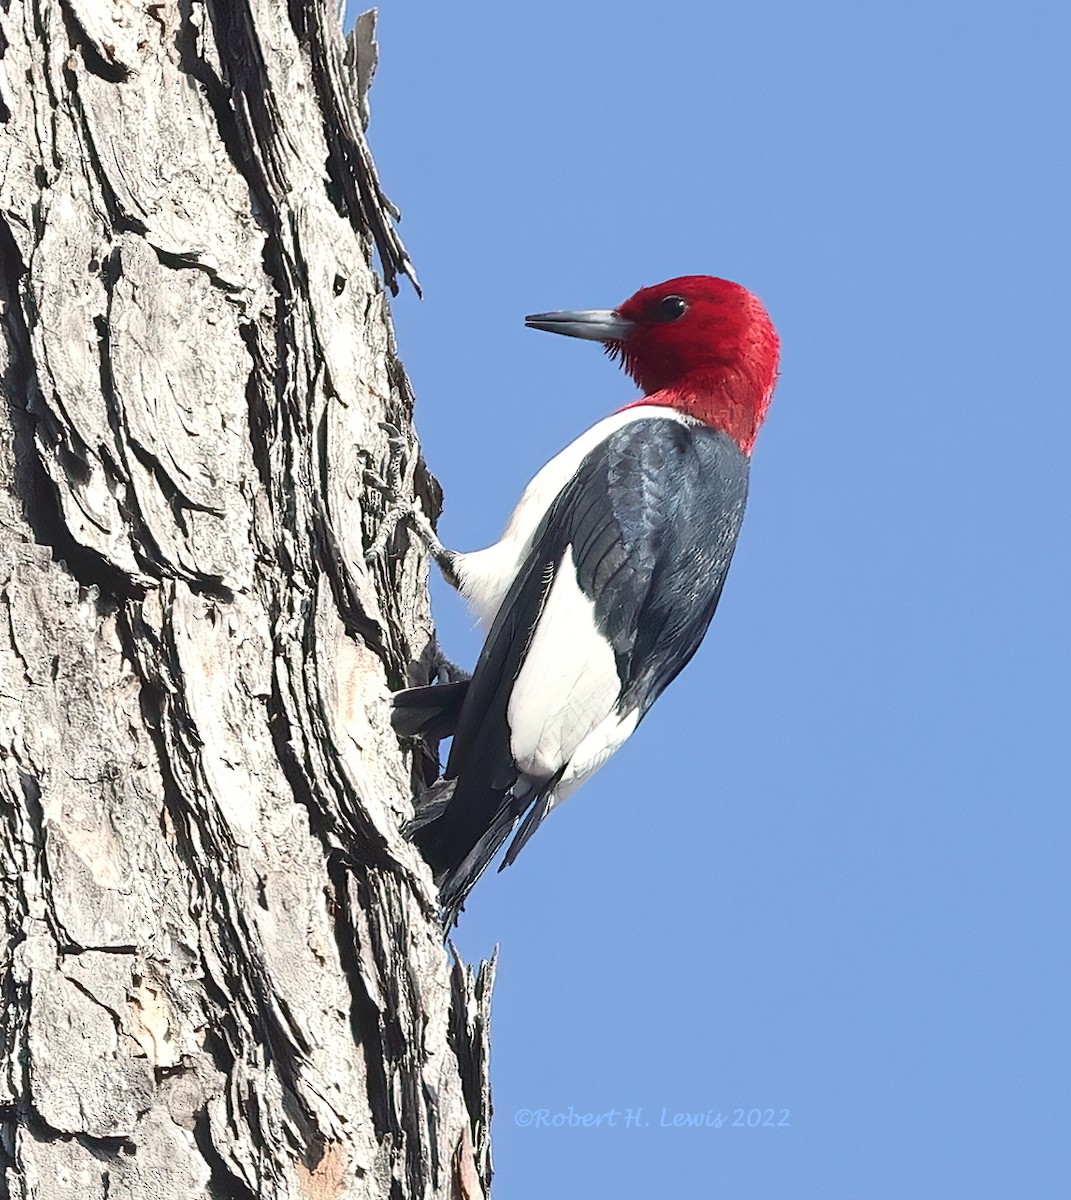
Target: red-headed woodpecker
[606,578]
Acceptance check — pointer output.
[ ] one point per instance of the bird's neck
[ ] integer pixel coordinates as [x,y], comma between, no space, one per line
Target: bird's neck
[726,399]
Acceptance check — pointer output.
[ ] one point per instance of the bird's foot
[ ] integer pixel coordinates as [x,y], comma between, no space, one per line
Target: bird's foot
[447,671]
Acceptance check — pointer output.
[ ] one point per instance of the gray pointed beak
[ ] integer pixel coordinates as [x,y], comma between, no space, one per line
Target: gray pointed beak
[593,324]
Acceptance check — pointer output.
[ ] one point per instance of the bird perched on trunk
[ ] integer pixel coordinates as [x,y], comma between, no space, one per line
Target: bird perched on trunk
[606,577]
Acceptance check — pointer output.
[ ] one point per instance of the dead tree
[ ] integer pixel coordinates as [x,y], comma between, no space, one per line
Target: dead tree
[223,973]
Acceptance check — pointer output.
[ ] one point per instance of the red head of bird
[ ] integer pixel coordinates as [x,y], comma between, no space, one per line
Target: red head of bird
[702,345]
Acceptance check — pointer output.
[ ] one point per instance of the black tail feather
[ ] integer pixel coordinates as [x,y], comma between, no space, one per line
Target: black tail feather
[458,855]
[430,712]
[456,882]
[429,807]
[544,803]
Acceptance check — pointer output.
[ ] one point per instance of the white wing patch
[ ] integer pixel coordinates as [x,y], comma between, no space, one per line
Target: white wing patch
[604,740]
[568,686]
[486,575]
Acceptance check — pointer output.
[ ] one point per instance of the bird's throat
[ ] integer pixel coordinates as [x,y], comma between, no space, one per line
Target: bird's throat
[727,400]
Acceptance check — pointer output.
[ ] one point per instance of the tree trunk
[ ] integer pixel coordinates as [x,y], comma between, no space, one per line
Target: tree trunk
[222,969]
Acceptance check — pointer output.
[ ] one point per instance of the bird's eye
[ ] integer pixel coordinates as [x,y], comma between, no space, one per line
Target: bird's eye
[672,308]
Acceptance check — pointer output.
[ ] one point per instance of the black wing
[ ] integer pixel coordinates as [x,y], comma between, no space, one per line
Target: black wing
[652,517]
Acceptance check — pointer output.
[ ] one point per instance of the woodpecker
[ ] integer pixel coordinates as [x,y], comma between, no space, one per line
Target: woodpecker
[606,577]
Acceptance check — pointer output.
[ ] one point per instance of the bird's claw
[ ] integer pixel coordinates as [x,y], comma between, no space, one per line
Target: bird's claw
[396,486]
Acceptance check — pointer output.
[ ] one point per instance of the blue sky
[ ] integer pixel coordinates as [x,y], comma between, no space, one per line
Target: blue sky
[829,872]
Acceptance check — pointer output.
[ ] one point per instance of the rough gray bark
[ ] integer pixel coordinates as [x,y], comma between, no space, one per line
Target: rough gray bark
[221,966]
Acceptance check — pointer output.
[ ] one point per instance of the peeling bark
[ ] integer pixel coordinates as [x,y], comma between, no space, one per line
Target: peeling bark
[222,969]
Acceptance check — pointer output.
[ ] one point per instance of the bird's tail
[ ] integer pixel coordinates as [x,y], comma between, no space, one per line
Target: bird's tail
[430,712]
[457,854]
[456,879]
[460,824]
